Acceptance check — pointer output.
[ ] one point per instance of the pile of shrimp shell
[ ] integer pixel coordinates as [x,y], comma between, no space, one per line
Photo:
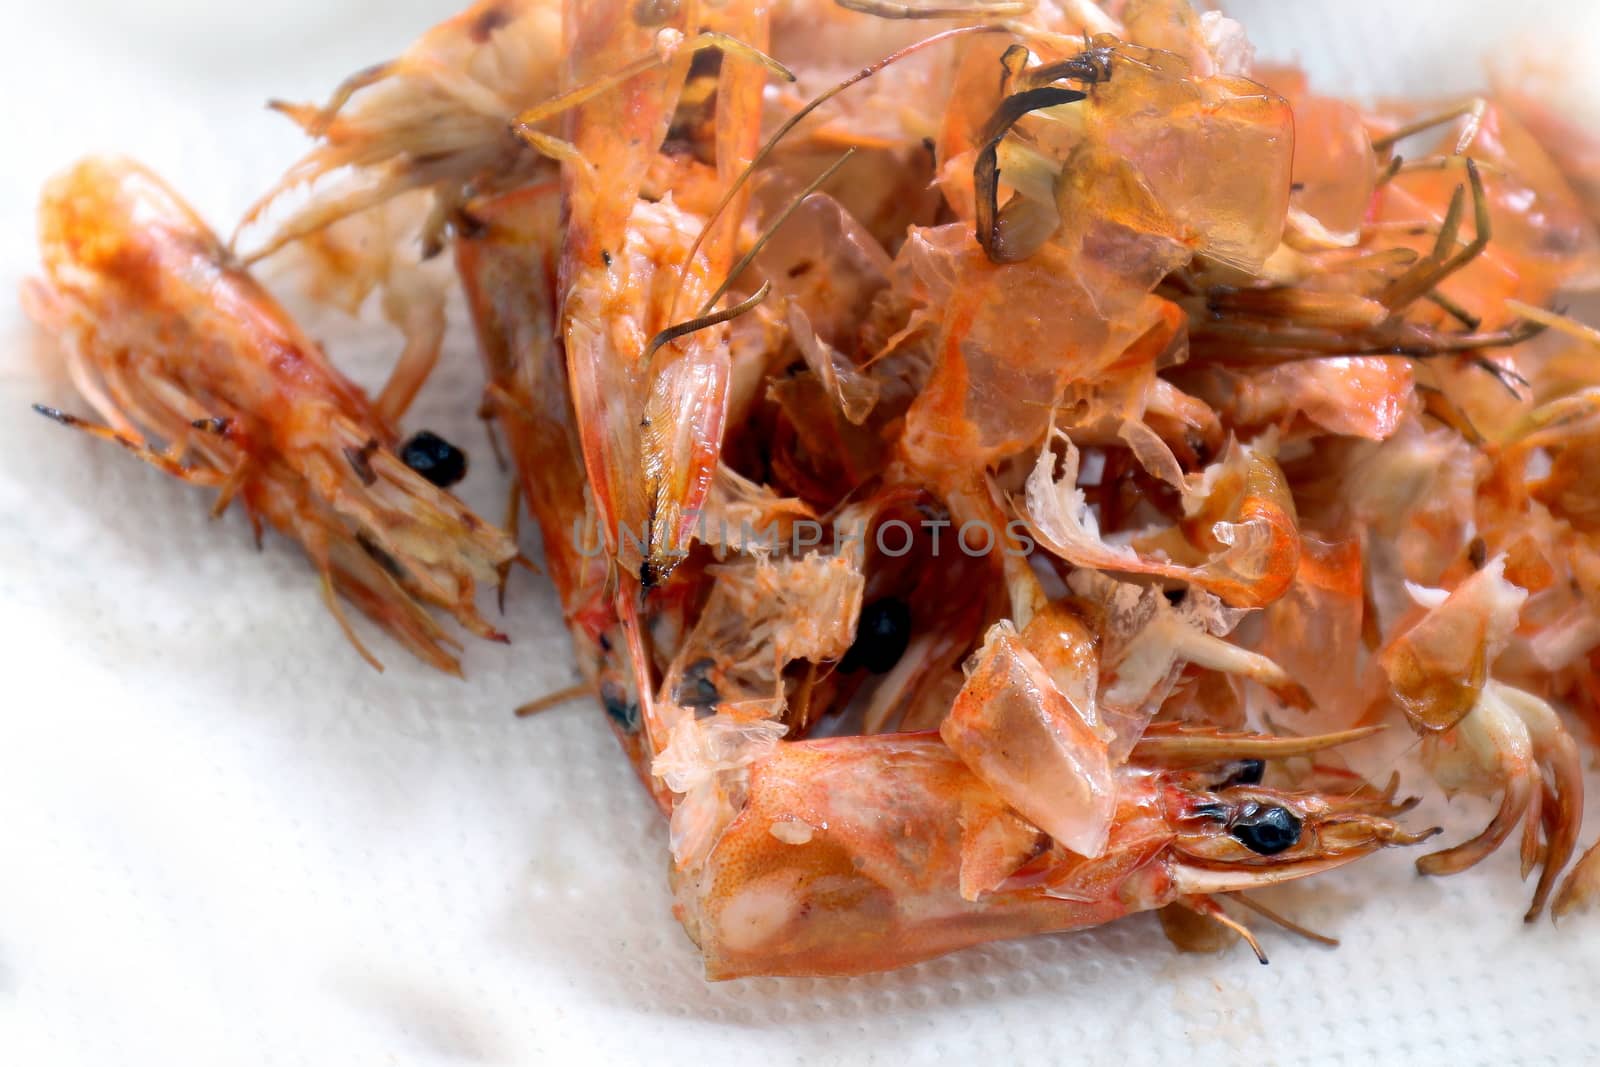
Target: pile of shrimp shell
[1262,403]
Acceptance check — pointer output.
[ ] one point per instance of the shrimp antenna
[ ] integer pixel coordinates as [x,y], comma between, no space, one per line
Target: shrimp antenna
[1396,162]
[1285,922]
[330,597]
[1506,376]
[1200,747]
[556,699]
[158,458]
[1208,906]
[1437,402]
[556,148]
[883,10]
[1556,320]
[1453,309]
[777,223]
[1473,109]
[709,318]
[703,322]
[1439,264]
[799,116]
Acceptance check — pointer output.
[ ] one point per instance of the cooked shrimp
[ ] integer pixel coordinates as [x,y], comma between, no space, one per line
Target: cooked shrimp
[864,853]
[196,369]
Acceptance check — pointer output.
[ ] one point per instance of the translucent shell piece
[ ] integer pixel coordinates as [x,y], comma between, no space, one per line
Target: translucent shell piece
[1032,746]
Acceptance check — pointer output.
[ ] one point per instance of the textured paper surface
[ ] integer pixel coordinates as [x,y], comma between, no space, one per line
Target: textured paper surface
[227,840]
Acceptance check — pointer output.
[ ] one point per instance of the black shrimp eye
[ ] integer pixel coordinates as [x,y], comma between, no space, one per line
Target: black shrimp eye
[1265,829]
[436,459]
[882,635]
[696,690]
[1247,772]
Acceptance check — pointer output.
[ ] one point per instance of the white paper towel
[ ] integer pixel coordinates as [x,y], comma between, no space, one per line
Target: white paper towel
[227,840]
